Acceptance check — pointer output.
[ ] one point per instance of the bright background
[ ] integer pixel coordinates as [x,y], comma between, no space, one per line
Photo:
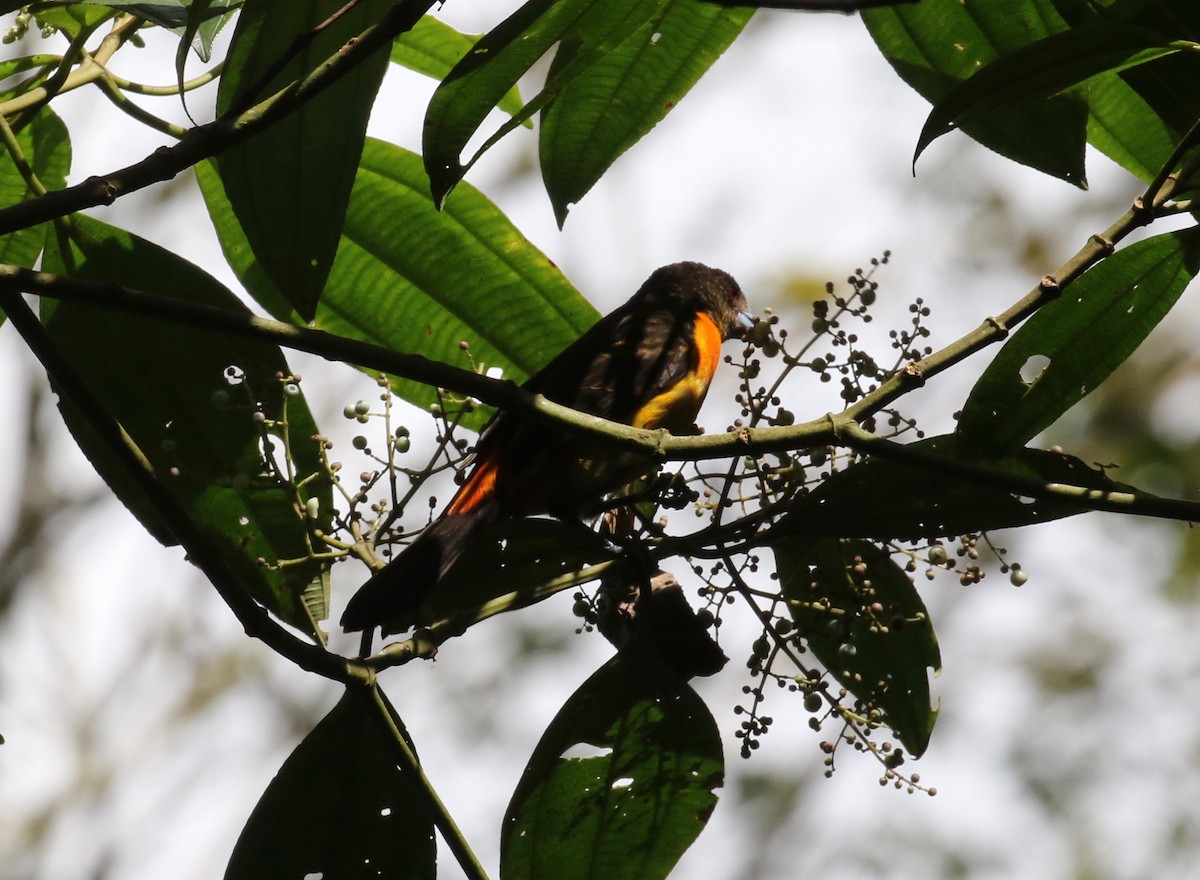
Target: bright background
[142,725]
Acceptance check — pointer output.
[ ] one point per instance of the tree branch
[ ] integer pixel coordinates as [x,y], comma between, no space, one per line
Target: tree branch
[208,140]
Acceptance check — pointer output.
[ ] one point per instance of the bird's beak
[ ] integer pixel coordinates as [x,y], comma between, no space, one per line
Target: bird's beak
[745,321]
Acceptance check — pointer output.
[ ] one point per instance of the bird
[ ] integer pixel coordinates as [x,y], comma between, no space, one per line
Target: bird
[647,364]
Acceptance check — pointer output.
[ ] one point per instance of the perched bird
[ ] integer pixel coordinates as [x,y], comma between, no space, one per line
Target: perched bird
[647,364]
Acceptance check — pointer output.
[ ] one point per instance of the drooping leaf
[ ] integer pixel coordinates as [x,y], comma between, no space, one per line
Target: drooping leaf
[511,557]
[1076,342]
[289,185]
[617,99]
[835,590]
[415,279]
[196,21]
[187,398]
[622,782]
[339,807]
[936,44]
[1135,116]
[433,48]
[1039,70]
[46,146]
[586,31]
[886,500]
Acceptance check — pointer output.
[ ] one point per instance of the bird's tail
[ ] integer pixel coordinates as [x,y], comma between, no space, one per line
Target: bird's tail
[393,592]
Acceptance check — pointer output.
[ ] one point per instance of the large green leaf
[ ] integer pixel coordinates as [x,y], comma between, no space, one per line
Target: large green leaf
[433,48]
[609,106]
[1135,116]
[171,388]
[46,145]
[862,617]
[1047,67]
[415,279]
[936,44]
[887,500]
[622,781]
[587,30]
[338,808]
[290,184]
[1083,336]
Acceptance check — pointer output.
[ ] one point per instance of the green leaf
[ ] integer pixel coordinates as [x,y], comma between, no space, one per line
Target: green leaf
[418,280]
[511,557]
[13,66]
[290,184]
[1042,69]
[339,807]
[587,30]
[46,145]
[74,18]
[433,48]
[882,657]
[170,388]
[1076,342]
[611,104]
[886,500]
[1135,116]
[622,781]
[936,44]
[197,21]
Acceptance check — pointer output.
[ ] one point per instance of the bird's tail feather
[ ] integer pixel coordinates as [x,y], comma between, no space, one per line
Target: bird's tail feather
[398,588]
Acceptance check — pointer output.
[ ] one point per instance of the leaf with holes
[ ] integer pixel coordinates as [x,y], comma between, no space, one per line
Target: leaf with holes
[1075,342]
[622,782]
[187,398]
[338,807]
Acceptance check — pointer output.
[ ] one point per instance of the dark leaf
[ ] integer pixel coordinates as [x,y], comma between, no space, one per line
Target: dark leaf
[289,185]
[616,100]
[172,389]
[936,44]
[622,782]
[586,31]
[886,500]
[1047,67]
[339,808]
[883,657]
